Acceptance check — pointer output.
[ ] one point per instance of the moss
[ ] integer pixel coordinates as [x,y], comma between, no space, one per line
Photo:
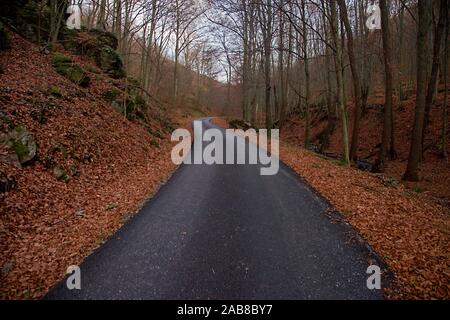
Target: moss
[155,143]
[111,95]
[20,149]
[22,142]
[59,58]
[110,61]
[135,104]
[55,91]
[105,38]
[418,189]
[140,103]
[67,68]
[60,174]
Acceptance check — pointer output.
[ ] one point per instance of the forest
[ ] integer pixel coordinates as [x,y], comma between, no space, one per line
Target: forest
[266,61]
[91,91]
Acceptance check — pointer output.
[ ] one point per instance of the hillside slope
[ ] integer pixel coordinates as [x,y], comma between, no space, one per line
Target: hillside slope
[435,171]
[92,169]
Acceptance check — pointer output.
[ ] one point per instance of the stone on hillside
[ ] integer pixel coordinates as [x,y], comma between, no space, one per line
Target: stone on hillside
[72,71]
[60,174]
[110,61]
[22,142]
[105,39]
[31,19]
[97,44]
[130,103]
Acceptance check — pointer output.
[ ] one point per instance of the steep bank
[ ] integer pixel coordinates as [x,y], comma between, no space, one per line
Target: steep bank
[435,171]
[91,170]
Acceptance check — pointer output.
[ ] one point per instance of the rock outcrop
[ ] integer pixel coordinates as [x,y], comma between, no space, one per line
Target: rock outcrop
[72,71]
[97,44]
[22,142]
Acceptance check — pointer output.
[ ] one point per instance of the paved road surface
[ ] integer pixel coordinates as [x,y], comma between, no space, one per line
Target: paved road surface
[226,232]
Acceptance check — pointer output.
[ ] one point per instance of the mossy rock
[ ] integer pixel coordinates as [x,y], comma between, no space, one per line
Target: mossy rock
[105,38]
[55,92]
[69,40]
[31,19]
[72,71]
[60,174]
[97,44]
[135,104]
[5,41]
[22,142]
[112,95]
[59,58]
[110,61]
[155,143]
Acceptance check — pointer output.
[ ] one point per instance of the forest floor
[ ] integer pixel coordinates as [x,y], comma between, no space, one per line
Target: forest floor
[434,171]
[408,228]
[115,165]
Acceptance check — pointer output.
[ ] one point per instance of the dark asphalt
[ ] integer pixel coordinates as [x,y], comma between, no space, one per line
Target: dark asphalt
[226,232]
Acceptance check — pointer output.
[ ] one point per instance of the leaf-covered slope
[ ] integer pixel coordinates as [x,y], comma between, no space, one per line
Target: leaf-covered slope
[92,168]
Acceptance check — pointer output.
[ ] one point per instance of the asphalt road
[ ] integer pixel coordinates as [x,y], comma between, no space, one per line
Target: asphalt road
[226,232]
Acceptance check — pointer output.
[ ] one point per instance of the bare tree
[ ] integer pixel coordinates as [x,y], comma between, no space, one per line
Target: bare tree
[356,80]
[424,27]
[388,114]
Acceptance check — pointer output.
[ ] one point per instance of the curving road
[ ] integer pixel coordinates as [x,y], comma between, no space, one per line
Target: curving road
[226,232]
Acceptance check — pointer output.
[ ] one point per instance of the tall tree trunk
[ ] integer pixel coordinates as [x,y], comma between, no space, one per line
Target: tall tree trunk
[340,81]
[177,53]
[281,69]
[424,26]
[246,63]
[266,19]
[101,21]
[388,113]
[307,82]
[400,54]
[118,20]
[324,136]
[445,104]
[437,48]
[356,80]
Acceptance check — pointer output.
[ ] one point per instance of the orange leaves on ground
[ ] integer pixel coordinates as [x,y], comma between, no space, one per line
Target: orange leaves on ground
[47,225]
[410,231]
